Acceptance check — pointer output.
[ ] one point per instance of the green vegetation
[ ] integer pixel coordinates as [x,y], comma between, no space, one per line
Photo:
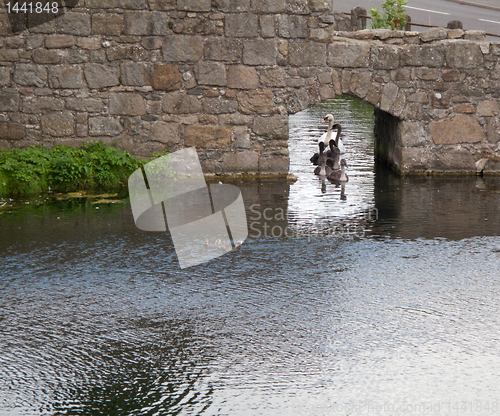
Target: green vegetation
[92,166]
[393,17]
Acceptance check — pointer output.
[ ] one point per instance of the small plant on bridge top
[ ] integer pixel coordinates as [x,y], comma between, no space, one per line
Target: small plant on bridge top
[393,17]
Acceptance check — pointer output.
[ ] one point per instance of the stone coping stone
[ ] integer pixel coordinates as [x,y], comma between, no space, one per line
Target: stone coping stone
[426,36]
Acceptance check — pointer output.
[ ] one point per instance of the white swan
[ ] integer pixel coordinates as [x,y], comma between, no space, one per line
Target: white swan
[326,137]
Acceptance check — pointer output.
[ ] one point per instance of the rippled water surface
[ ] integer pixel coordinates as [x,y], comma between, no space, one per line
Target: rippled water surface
[379,298]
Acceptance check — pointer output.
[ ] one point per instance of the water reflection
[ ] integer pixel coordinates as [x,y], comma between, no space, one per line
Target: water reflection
[430,207]
[345,299]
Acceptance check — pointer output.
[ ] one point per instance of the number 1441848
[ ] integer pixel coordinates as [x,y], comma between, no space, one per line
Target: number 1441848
[37,7]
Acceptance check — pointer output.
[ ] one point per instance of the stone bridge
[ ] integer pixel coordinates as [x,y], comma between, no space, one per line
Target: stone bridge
[223,75]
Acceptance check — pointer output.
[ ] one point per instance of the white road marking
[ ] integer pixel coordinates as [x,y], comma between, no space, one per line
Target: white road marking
[425,10]
[489,21]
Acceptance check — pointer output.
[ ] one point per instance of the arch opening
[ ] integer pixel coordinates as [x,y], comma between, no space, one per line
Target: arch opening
[387,131]
[315,199]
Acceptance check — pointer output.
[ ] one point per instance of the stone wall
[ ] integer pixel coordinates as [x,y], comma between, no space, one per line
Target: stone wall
[223,75]
[436,94]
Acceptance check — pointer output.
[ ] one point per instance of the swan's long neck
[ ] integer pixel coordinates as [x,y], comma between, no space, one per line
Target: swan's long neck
[322,171]
[328,136]
[337,138]
[343,176]
[336,165]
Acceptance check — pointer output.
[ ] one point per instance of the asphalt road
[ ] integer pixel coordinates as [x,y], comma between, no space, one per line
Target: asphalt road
[436,12]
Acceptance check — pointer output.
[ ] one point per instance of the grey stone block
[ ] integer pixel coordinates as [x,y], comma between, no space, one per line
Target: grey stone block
[274,127]
[194,5]
[274,77]
[152,42]
[77,57]
[243,161]
[223,49]
[101,76]
[242,77]
[242,25]
[433,34]
[274,164]
[307,54]
[183,48]
[167,133]
[127,104]
[145,23]
[73,23]
[321,5]
[389,95]
[179,103]
[292,26]
[65,76]
[90,105]
[211,73]
[104,126]
[241,137]
[488,108]
[219,105]
[119,52]
[345,55]
[267,26]
[385,57]
[462,54]
[34,41]
[12,131]
[93,43]
[259,52]
[412,134]
[162,5]
[459,129]
[50,103]
[117,4]
[58,125]
[268,6]
[475,35]
[207,137]
[423,55]
[5,75]
[234,6]
[9,55]
[59,41]
[9,100]
[39,24]
[136,73]
[30,75]
[110,24]
[44,56]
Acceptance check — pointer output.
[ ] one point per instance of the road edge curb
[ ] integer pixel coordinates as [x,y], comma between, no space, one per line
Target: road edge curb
[471,3]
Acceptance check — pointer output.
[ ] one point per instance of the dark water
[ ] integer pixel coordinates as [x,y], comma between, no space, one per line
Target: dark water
[381,298]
